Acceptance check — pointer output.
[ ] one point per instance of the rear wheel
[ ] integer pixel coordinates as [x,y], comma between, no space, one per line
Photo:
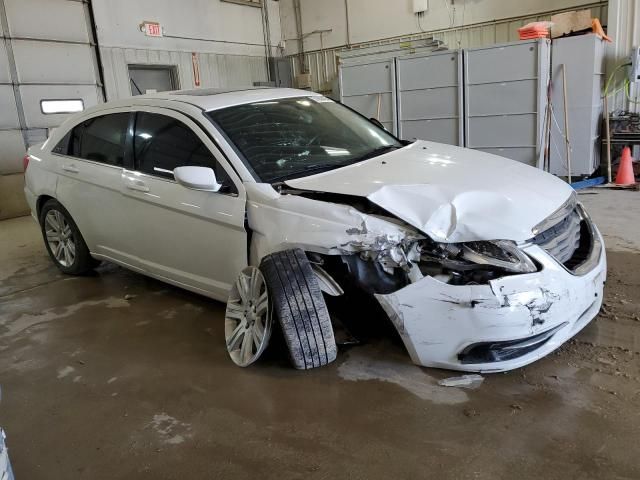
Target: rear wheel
[63,240]
[300,308]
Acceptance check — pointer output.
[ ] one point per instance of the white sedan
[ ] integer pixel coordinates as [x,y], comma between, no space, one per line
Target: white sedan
[281,202]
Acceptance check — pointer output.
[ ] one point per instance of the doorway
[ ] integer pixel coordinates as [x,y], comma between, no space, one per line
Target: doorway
[152,78]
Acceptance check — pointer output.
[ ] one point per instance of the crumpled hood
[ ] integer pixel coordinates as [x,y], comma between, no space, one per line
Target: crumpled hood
[450,193]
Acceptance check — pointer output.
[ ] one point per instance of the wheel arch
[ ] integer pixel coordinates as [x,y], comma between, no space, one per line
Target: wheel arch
[300,308]
[42,199]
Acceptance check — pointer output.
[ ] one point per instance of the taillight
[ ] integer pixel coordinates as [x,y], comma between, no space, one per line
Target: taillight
[25,163]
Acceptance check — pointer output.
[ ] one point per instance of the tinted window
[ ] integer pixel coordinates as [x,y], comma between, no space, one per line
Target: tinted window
[295,137]
[63,145]
[163,143]
[101,139]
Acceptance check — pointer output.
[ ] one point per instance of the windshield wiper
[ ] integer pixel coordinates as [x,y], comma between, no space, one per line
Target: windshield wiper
[308,170]
[376,152]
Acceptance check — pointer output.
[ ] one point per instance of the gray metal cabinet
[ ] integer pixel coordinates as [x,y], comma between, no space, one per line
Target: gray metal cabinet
[505,99]
[368,86]
[583,57]
[429,93]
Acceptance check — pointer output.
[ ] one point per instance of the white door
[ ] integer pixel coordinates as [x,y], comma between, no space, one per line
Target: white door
[191,238]
[90,162]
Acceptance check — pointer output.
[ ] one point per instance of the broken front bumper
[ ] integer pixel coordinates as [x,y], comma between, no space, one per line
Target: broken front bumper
[506,324]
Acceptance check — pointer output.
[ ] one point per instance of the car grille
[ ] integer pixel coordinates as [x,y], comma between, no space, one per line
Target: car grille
[562,239]
[566,236]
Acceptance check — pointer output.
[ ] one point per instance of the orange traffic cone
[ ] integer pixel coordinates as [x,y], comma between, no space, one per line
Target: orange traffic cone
[625,169]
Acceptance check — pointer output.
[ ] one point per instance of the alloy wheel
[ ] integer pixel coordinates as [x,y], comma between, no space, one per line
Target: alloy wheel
[60,238]
[248,318]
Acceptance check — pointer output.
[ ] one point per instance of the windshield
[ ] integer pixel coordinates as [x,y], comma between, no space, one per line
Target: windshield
[295,137]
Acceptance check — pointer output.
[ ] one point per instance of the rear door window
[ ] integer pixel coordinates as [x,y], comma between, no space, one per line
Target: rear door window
[162,143]
[100,139]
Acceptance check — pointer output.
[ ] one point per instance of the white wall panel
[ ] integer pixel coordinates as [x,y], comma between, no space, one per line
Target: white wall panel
[11,152]
[4,64]
[47,19]
[8,110]
[32,94]
[208,26]
[47,62]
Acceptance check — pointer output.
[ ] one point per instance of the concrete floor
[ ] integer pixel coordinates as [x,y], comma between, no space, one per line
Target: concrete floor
[118,376]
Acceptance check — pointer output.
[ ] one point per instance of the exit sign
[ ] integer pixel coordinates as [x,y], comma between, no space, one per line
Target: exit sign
[151,29]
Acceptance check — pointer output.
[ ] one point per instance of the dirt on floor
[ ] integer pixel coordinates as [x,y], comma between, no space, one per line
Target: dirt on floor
[117,376]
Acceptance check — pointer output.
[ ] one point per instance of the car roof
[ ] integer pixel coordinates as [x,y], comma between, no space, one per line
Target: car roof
[213,99]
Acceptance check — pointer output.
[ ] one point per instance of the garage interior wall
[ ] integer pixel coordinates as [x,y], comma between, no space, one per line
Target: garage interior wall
[47,48]
[459,24]
[39,59]
[48,51]
[227,39]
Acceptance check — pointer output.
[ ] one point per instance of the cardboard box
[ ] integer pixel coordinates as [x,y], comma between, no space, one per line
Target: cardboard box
[575,21]
[303,80]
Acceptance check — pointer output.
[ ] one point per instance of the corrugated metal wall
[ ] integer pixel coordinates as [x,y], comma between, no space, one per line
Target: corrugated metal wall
[216,70]
[323,64]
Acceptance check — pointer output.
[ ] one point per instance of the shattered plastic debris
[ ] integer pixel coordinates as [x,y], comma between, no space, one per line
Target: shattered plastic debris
[465,381]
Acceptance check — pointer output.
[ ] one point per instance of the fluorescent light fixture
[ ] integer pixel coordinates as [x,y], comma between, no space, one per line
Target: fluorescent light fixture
[61,106]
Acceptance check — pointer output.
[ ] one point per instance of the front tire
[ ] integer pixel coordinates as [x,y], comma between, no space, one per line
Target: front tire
[299,306]
[63,240]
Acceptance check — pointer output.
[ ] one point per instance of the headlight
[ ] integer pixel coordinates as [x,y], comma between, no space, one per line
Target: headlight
[498,253]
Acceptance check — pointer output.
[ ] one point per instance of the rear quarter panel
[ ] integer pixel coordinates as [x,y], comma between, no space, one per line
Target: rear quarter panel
[41,177]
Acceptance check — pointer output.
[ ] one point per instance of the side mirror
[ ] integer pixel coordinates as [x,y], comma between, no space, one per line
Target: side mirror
[377,123]
[197,178]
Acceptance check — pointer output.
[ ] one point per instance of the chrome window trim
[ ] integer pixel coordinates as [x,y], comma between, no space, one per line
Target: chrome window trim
[93,162]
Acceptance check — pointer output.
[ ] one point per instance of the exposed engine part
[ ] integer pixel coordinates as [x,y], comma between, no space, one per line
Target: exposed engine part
[395,256]
[372,276]
[386,268]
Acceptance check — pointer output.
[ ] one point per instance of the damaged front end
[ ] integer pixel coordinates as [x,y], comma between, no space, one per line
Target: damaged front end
[476,306]
[387,261]
[382,268]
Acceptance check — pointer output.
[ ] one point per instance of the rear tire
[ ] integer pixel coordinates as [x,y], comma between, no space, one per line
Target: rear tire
[63,240]
[300,308]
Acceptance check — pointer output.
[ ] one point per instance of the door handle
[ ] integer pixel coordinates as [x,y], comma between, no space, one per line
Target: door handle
[137,185]
[70,168]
